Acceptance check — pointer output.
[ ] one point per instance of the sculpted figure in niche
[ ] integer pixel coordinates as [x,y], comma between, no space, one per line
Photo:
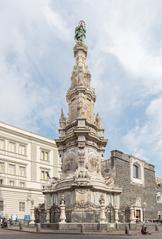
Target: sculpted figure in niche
[81,108]
[80,77]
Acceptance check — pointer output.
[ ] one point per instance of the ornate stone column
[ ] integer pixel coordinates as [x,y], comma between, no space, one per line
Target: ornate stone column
[102,211]
[62,210]
[116,214]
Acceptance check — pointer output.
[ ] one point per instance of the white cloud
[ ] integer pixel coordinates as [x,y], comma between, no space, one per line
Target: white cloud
[25,95]
[147,137]
[57,23]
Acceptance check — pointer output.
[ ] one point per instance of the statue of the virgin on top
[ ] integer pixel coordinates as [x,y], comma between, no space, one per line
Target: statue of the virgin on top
[80,31]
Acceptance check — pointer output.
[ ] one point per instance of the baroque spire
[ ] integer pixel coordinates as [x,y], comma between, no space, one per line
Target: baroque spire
[80,96]
[81,143]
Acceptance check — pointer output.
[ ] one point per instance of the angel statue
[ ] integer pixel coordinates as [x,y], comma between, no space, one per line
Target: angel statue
[80,31]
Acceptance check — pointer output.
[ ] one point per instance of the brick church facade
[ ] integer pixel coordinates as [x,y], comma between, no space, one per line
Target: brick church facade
[141,197]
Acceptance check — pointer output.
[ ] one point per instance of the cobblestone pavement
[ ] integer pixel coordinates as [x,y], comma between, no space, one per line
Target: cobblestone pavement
[8,234]
[15,234]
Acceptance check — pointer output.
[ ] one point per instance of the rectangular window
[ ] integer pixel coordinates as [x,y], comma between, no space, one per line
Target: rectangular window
[21,206]
[2,144]
[44,155]
[12,147]
[22,149]
[44,174]
[22,184]
[22,171]
[1,181]
[136,171]
[1,206]
[2,167]
[159,197]
[11,183]
[12,169]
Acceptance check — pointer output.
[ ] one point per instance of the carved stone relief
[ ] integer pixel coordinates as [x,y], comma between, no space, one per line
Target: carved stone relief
[93,162]
[69,162]
[109,181]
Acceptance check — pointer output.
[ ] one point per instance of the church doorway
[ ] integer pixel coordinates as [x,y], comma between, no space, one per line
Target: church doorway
[138,215]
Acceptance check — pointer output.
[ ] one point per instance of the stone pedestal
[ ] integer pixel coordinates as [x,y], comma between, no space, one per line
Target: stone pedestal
[83,216]
[102,210]
[38,227]
[47,216]
[62,211]
[116,215]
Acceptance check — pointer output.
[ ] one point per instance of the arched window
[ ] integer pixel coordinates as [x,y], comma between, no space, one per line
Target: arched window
[136,170]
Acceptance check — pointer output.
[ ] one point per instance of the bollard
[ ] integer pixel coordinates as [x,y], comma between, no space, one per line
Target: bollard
[20,225]
[126,230]
[98,227]
[82,228]
[38,227]
[8,224]
[156,228]
[117,226]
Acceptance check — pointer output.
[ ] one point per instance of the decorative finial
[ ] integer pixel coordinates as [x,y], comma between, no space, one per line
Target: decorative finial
[98,121]
[80,31]
[62,120]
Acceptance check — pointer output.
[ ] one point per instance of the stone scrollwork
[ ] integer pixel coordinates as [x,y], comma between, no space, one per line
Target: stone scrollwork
[81,190]
[81,177]
[83,174]
[54,181]
[86,205]
[109,181]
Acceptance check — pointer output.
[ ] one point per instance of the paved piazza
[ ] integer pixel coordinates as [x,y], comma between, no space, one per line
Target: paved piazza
[5,234]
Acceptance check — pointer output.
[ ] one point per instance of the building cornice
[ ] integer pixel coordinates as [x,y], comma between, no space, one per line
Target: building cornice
[26,134]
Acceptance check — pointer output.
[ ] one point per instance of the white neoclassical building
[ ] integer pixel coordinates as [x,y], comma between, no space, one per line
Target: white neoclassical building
[26,162]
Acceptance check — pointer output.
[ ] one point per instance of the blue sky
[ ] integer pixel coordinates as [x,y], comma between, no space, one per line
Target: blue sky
[125,59]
